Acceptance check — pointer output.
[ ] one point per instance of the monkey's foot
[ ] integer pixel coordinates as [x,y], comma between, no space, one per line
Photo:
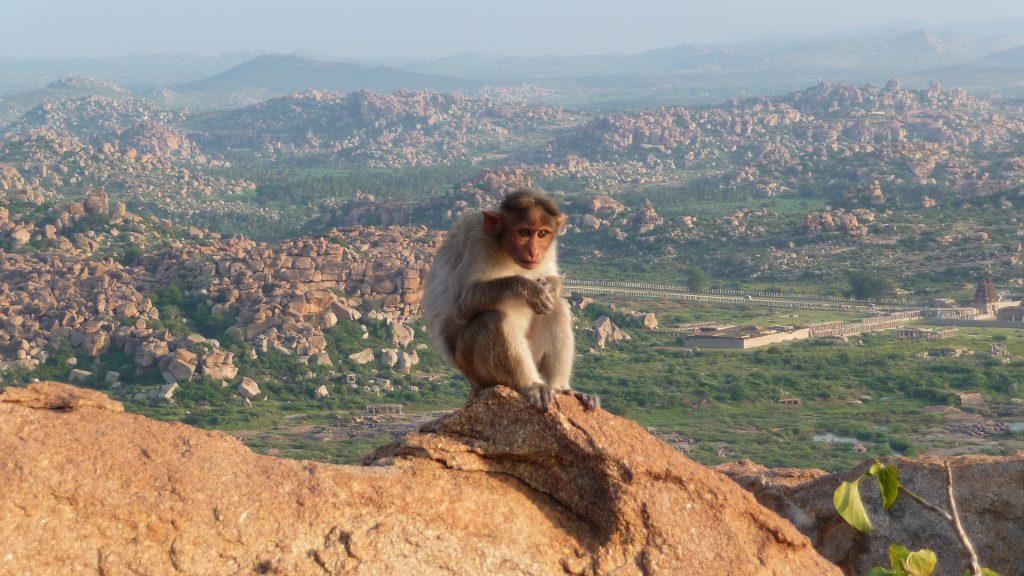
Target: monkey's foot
[589,401]
[541,397]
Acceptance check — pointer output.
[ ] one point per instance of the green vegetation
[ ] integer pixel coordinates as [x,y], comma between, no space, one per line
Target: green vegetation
[866,285]
[902,561]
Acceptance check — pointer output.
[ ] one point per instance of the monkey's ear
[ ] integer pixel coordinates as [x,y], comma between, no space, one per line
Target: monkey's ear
[492,222]
[560,224]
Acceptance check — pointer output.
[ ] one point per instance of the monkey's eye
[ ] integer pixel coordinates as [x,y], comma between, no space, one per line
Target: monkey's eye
[525,233]
[542,233]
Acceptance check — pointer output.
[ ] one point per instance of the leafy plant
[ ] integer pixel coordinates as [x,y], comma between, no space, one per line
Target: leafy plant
[903,562]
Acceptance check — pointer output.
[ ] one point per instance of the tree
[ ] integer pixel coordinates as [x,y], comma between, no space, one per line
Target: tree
[865,284]
[697,279]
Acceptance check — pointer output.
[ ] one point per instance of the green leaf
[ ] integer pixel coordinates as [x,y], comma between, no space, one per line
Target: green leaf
[848,503]
[920,563]
[986,572]
[889,481]
[883,572]
[897,554]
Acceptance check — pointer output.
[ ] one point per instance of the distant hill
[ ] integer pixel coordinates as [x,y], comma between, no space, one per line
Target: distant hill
[13,106]
[1000,72]
[275,75]
[878,52]
[1013,57]
[139,71]
[709,73]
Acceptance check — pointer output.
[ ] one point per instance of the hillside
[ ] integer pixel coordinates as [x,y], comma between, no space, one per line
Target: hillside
[14,105]
[383,130]
[1012,57]
[821,140]
[274,75]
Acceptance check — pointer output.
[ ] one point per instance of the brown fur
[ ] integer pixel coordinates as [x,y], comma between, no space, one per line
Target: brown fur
[492,301]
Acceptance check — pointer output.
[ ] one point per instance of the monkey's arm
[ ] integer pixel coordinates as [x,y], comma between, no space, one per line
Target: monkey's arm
[484,295]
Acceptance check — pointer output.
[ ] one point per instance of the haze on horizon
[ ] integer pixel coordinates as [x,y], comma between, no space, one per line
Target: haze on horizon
[406,29]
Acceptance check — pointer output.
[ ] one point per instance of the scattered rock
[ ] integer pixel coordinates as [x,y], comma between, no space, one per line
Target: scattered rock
[604,331]
[388,357]
[362,357]
[77,376]
[248,388]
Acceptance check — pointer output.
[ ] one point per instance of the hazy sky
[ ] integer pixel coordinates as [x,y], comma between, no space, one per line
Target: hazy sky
[433,28]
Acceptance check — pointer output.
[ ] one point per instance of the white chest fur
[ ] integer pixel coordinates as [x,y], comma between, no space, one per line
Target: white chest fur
[518,314]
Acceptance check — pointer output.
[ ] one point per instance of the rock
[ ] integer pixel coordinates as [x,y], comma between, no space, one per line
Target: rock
[321,392]
[149,352]
[56,396]
[20,237]
[248,388]
[646,219]
[112,377]
[401,335]
[323,359]
[178,366]
[328,319]
[176,371]
[604,331]
[77,376]
[388,357]
[97,203]
[407,361]
[95,343]
[590,222]
[651,321]
[167,391]
[219,365]
[343,312]
[771,486]
[495,488]
[990,497]
[362,357]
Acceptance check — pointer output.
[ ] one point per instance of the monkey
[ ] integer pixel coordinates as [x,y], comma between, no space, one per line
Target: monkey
[492,301]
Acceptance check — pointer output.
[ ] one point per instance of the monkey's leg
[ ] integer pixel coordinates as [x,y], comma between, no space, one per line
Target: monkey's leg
[553,346]
[490,352]
[554,349]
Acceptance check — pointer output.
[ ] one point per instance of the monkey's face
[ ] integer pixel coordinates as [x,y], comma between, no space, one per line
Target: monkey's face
[527,243]
[525,235]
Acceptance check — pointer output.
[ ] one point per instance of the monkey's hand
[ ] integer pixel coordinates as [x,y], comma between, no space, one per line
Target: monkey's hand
[541,396]
[553,284]
[537,296]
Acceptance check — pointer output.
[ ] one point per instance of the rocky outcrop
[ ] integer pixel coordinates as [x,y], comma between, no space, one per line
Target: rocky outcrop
[646,219]
[495,488]
[604,332]
[990,498]
[839,220]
